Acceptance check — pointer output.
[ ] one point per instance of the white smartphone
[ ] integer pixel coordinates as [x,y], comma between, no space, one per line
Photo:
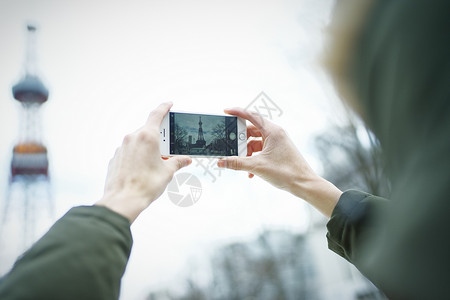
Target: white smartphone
[194,134]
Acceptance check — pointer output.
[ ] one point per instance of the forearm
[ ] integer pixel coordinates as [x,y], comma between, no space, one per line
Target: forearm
[353,222]
[317,191]
[83,256]
[124,204]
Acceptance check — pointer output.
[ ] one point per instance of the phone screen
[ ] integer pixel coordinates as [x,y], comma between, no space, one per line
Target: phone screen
[206,135]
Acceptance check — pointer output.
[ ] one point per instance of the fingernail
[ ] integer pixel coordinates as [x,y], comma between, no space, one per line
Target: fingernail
[188,162]
[221,163]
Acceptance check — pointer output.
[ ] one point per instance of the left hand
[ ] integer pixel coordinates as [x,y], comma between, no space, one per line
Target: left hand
[137,174]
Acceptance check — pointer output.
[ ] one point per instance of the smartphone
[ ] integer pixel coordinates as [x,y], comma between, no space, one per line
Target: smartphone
[194,134]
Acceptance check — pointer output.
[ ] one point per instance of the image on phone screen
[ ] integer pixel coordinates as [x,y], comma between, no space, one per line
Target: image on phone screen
[206,135]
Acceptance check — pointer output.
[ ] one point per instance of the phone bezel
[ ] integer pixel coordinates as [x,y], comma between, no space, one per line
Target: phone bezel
[164,134]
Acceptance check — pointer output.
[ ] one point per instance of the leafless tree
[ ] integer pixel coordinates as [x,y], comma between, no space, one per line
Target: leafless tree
[180,134]
[352,158]
[274,266]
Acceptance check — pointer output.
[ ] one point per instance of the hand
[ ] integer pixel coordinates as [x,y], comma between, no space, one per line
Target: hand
[137,174]
[280,163]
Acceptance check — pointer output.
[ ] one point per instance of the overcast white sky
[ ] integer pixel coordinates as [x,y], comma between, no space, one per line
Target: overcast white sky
[107,64]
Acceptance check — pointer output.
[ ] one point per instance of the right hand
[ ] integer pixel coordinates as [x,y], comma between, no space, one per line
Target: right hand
[280,163]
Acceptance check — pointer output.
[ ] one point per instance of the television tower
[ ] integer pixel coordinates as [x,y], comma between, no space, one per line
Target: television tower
[28,199]
[200,140]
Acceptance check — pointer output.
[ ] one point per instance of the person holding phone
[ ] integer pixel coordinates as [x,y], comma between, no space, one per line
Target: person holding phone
[84,254]
[390,62]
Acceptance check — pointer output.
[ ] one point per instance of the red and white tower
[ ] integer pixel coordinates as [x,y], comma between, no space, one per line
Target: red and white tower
[28,196]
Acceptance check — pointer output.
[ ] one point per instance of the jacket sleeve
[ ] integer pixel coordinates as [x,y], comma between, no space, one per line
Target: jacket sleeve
[82,256]
[351,225]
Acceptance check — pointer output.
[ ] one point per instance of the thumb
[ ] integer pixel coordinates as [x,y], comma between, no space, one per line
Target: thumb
[178,162]
[236,163]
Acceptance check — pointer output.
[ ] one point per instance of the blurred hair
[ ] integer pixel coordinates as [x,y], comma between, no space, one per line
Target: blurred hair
[342,36]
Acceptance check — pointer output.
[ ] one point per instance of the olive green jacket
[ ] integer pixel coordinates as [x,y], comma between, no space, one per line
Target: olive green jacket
[83,256]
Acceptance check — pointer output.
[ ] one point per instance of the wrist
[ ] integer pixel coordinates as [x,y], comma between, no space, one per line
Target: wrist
[128,206]
[318,192]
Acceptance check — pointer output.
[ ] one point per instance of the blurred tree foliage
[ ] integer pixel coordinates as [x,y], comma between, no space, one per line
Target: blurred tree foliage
[275,266]
[352,158]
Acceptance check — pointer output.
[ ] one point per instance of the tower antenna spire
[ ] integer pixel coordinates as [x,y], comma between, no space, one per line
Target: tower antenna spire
[30,55]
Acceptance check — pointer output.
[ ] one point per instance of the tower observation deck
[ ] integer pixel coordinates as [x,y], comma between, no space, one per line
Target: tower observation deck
[30,154]
[28,191]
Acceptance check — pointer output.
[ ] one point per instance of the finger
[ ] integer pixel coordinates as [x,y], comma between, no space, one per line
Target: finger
[112,162]
[259,121]
[254,146]
[236,163]
[157,115]
[178,162]
[115,159]
[253,131]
